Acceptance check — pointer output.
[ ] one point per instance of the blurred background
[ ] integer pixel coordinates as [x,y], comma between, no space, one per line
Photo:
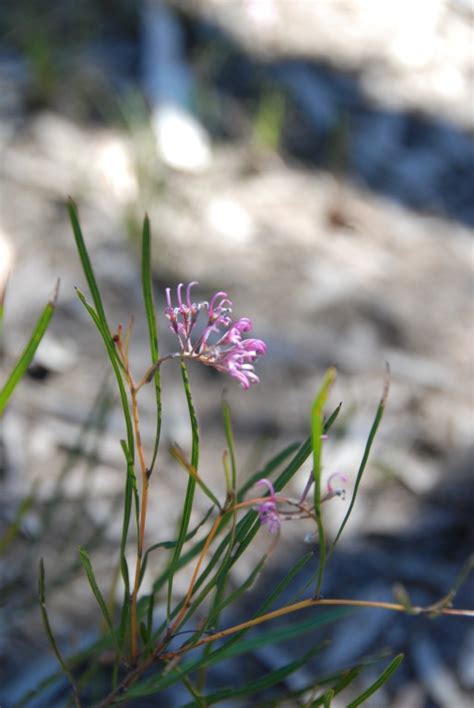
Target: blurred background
[315,161]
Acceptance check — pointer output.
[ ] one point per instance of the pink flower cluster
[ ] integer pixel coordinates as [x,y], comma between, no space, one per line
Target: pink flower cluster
[229,352]
[268,510]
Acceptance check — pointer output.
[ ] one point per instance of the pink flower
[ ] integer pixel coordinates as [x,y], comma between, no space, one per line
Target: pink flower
[336,491]
[268,510]
[220,343]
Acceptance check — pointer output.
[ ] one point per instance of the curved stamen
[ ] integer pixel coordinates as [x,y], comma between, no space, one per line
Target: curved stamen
[188,292]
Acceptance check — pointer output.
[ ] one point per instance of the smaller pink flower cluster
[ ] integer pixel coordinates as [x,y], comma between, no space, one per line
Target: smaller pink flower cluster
[268,510]
[229,353]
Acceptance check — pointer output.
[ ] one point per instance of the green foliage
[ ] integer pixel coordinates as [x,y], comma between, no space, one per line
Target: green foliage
[28,353]
[197,631]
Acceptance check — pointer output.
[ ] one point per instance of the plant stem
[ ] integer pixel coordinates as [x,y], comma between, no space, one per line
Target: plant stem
[189,593]
[288,609]
[141,531]
[122,346]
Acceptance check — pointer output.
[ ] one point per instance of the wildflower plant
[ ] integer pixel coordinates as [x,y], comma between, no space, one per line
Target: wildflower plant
[142,654]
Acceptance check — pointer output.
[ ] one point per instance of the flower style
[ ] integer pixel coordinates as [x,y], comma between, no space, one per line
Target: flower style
[268,510]
[336,491]
[230,353]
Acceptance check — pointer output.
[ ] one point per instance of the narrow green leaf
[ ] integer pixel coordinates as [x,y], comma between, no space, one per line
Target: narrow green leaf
[29,351]
[246,530]
[383,678]
[98,595]
[340,681]
[172,544]
[365,457]
[198,701]
[230,442]
[49,631]
[447,600]
[275,594]
[130,498]
[268,469]
[179,456]
[273,637]
[12,529]
[261,684]
[329,422]
[35,692]
[189,496]
[127,511]
[241,589]
[78,659]
[147,286]
[328,696]
[317,429]
[114,360]
[86,264]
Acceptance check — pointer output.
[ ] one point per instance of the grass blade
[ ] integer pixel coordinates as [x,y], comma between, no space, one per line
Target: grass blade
[98,595]
[29,351]
[365,457]
[49,631]
[147,286]
[317,430]
[383,678]
[86,264]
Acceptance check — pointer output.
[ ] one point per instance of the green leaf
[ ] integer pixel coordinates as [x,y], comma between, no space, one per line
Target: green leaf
[189,496]
[263,683]
[29,351]
[12,529]
[317,429]
[116,366]
[98,595]
[131,494]
[383,678]
[173,544]
[274,636]
[245,532]
[339,682]
[78,660]
[49,631]
[86,264]
[328,696]
[275,594]
[130,498]
[365,457]
[329,422]
[268,470]
[230,443]
[147,286]
[179,456]
[243,588]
